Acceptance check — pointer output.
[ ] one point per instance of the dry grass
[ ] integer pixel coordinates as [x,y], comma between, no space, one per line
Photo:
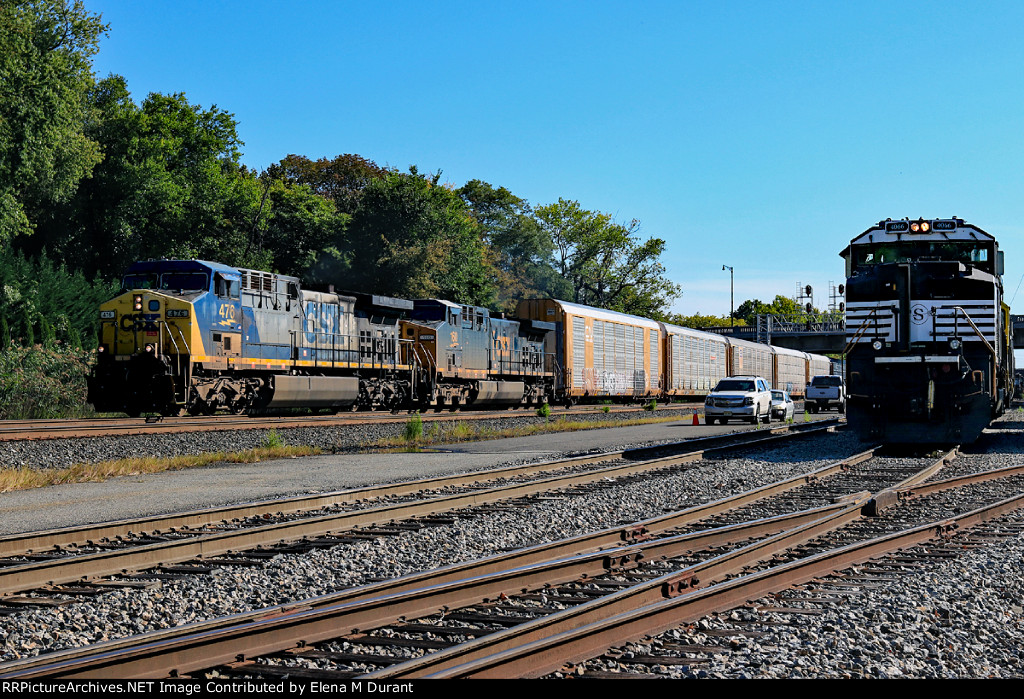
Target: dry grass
[436,433]
[24,477]
[463,431]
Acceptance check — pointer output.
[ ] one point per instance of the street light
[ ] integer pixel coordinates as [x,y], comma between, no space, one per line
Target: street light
[731,309]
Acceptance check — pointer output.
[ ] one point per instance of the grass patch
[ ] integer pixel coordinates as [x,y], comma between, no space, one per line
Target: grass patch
[24,478]
[414,428]
[464,431]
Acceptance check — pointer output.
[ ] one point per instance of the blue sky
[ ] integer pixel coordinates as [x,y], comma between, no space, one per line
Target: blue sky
[761,135]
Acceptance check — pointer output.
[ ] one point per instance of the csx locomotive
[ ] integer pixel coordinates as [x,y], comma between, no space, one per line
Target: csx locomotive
[187,336]
[929,343]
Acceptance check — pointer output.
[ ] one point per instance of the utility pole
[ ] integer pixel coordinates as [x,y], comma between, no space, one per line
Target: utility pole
[732,309]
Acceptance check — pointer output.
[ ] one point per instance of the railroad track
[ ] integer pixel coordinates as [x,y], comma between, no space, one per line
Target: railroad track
[23,430]
[57,561]
[382,604]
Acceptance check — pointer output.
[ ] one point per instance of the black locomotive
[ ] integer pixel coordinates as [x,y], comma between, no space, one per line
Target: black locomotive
[929,348]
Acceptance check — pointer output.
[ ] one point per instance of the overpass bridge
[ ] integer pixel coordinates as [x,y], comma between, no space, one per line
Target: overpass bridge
[820,333]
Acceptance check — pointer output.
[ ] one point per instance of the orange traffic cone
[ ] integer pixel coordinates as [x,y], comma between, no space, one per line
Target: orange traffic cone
[695,421]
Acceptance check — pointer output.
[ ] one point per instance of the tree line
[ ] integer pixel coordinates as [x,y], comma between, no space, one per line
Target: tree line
[92,179]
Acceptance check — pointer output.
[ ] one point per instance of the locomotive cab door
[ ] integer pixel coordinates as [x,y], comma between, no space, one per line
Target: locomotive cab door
[227,320]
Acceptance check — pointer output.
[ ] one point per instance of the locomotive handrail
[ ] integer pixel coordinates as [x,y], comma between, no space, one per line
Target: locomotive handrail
[977,331]
[177,351]
[862,328]
[990,348]
[352,350]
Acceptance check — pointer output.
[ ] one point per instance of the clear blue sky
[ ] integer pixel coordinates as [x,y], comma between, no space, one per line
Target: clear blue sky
[761,135]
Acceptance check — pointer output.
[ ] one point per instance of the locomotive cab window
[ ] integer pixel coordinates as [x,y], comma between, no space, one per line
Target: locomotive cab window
[184,281]
[226,288]
[922,250]
[139,281]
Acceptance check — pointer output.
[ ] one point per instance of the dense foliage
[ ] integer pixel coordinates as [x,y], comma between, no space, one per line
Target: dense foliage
[92,179]
[42,382]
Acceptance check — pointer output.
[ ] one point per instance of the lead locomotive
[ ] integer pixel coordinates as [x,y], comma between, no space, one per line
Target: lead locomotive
[929,353]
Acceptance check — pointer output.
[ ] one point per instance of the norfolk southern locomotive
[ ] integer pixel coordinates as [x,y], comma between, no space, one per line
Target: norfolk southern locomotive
[187,336]
[929,353]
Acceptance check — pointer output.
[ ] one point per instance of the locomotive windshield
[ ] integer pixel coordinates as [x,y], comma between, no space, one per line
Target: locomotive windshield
[184,281]
[140,281]
[168,281]
[917,250]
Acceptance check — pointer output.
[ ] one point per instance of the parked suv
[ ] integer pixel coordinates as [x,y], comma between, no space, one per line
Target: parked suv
[825,392]
[739,397]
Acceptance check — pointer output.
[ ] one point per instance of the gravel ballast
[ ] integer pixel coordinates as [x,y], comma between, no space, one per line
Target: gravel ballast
[923,625]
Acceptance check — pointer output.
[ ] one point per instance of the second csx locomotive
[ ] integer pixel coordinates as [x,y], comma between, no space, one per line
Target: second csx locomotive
[187,336]
[929,345]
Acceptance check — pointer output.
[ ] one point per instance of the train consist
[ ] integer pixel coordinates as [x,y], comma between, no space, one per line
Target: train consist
[194,337]
[929,356]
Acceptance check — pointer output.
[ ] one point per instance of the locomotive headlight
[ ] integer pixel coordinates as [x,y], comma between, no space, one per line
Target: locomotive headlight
[915,226]
[954,344]
[138,302]
[877,345]
[925,226]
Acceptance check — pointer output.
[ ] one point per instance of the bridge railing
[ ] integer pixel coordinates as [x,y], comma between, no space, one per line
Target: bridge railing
[768,324]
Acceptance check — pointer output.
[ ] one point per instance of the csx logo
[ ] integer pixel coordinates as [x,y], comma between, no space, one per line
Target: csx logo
[918,313]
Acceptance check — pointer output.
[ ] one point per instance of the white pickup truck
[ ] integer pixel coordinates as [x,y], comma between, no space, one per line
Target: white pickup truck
[825,392]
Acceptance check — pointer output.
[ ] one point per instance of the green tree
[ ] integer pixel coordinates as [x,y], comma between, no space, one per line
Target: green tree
[45,74]
[604,262]
[170,185]
[413,237]
[699,320]
[781,305]
[520,252]
[40,299]
[301,227]
[342,179]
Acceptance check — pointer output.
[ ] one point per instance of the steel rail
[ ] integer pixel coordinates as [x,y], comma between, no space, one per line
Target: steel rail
[181,648]
[671,585]
[551,653]
[66,537]
[15,578]
[548,653]
[302,625]
[29,430]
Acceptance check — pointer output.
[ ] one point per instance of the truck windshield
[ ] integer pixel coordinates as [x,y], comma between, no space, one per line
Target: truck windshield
[826,381]
[731,385]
